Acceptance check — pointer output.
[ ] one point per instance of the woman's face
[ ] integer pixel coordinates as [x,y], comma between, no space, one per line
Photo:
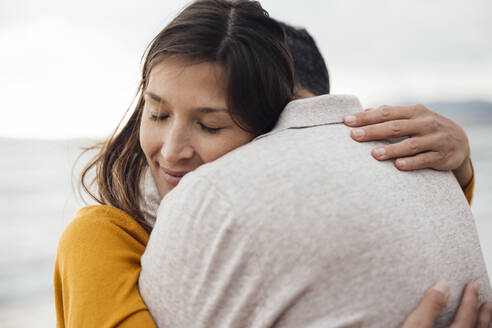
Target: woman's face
[185,120]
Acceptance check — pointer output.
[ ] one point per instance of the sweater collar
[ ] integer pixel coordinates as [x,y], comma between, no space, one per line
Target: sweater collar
[315,111]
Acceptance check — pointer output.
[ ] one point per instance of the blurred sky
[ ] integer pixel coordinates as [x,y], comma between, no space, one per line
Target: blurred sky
[71,68]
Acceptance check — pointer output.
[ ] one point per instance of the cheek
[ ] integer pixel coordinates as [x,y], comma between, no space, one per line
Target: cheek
[227,143]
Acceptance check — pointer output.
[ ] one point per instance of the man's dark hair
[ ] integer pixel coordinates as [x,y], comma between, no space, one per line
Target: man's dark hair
[310,67]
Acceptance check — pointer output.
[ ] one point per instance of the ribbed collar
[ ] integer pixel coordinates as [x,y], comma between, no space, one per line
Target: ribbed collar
[315,111]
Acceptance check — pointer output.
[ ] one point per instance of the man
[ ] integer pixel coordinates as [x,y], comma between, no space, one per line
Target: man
[260,262]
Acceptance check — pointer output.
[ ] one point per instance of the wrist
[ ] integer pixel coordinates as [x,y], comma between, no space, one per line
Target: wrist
[464,173]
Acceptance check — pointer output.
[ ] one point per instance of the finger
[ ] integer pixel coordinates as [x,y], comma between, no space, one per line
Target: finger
[386,130]
[381,114]
[420,161]
[468,311]
[407,147]
[430,307]
[485,315]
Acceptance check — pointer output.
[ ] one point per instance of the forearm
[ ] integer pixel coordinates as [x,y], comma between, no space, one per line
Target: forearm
[464,173]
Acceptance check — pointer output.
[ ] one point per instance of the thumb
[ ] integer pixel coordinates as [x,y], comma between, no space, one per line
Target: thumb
[426,313]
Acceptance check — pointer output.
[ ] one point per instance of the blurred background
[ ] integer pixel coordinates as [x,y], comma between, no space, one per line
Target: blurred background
[69,70]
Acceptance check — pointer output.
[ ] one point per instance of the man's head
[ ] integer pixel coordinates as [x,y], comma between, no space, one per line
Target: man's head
[311,74]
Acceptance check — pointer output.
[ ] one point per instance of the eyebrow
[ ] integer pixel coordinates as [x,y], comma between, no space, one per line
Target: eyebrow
[205,110]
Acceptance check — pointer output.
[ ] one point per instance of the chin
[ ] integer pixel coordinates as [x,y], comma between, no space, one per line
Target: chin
[164,188]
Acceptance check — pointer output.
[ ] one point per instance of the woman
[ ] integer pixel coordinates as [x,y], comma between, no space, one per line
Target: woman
[217,76]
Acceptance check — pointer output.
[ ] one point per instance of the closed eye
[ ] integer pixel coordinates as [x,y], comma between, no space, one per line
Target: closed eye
[205,128]
[158,118]
[208,129]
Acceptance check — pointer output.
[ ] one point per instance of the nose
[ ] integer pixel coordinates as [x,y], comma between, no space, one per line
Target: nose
[177,144]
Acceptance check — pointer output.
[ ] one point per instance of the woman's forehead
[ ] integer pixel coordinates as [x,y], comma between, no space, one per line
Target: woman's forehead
[195,84]
[174,69]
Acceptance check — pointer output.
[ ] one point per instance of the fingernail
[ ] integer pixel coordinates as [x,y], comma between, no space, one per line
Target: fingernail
[443,288]
[401,162]
[349,119]
[379,152]
[358,132]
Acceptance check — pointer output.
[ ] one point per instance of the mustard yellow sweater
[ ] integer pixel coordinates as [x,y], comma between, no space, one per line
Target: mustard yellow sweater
[97,268]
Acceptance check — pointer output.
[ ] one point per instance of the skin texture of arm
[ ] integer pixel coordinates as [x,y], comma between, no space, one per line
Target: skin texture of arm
[97,268]
[468,188]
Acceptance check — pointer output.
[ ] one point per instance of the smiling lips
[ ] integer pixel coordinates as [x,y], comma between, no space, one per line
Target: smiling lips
[172,177]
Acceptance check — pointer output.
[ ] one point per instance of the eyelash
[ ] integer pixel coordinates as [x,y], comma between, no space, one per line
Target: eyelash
[204,127]
[158,118]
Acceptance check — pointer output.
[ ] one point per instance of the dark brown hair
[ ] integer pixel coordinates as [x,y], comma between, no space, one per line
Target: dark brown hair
[249,46]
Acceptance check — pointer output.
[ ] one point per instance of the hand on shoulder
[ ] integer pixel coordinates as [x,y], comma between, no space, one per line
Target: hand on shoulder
[434,141]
